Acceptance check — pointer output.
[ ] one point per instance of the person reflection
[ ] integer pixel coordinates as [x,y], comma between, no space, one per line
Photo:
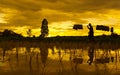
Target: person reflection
[91,55]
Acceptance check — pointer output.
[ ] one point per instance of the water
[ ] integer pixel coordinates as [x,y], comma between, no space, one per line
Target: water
[72,59]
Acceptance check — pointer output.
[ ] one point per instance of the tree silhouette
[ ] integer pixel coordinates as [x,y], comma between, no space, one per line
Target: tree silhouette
[29,33]
[44,28]
[7,32]
[10,33]
[77,26]
[102,27]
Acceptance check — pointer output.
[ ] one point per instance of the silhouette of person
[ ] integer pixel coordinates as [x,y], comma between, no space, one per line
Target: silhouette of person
[91,32]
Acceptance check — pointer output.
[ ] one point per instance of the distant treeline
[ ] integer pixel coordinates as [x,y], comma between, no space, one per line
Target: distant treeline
[82,39]
[8,35]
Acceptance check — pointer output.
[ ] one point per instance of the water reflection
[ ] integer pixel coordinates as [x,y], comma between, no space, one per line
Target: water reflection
[44,56]
[47,59]
[91,55]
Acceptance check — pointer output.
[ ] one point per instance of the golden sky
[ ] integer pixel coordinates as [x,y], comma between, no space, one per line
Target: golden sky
[21,15]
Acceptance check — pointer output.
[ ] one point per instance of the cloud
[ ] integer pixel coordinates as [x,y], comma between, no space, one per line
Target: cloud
[82,5]
[30,13]
[34,18]
[62,5]
[20,4]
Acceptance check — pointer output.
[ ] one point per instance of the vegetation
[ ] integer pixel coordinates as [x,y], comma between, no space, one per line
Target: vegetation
[8,35]
[29,33]
[44,28]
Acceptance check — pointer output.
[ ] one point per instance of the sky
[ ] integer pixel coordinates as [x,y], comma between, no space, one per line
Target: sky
[21,15]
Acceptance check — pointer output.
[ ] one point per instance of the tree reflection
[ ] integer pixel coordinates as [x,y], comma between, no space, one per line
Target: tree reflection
[17,57]
[5,48]
[60,62]
[4,52]
[37,62]
[28,49]
[44,56]
[76,58]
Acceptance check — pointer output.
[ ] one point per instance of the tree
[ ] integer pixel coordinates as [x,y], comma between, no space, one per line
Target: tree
[7,33]
[29,33]
[44,28]
[10,33]
[77,26]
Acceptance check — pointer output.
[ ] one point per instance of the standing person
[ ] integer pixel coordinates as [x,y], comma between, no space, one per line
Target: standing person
[91,32]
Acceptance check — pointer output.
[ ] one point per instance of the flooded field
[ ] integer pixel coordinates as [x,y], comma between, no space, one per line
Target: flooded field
[59,59]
